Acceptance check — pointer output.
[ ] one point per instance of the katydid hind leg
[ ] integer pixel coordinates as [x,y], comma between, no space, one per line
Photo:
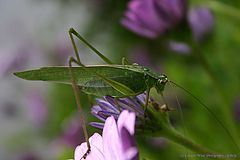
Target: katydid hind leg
[119,87]
[74,32]
[76,94]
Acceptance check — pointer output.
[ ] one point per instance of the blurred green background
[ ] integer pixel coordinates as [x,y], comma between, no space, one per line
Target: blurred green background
[40,121]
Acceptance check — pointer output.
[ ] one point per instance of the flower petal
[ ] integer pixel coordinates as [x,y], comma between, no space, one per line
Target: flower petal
[128,145]
[95,109]
[106,106]
[179,47]
[131,154]
[111,140]
[138,29]
[201,21]
[127,120]
[97,124]
[151,18]
[141,98]
[106,114]
[126,126]
[96,152]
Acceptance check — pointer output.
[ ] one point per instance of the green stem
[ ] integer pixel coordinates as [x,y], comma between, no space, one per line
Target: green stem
[176,137]
[162,127]
[225,109]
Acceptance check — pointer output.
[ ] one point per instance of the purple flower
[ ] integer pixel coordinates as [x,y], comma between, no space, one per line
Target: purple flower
[201,22]
[117,141]
[37,108]
[13,60]
[71,133]
[61,51]
[151,18]
[179,47]
[109,107]
[28,156]
[140,55]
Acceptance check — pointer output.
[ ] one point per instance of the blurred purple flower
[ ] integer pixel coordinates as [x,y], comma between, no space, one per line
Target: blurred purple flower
[18,58]
[151,18]
[109,107]
[13,60]
[140,55]
[61,51]
[179,47]
[116,143]
[72,132]
[28,156]
[237,110]
[201,22]
[37,108]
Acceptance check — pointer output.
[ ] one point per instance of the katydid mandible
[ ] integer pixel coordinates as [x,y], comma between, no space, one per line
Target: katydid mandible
[101,80]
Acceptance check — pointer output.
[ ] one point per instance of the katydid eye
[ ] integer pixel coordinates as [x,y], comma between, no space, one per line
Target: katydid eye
[162,82]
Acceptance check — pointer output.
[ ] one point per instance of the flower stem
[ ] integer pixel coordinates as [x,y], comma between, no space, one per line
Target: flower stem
[173,135]
[161,126]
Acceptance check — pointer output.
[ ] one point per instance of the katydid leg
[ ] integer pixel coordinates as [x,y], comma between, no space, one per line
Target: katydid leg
[165,102]
[72,32]
[76,94]
[120,87]
[90,100]
[147,99]
[125,61]
[116,103]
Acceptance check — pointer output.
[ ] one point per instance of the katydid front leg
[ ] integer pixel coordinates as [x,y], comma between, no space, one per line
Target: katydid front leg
[147,100]
[165,102]
[124,61]
[116,103]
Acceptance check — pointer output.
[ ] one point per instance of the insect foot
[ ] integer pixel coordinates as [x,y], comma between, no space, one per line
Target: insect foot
[165,108]
[86,154]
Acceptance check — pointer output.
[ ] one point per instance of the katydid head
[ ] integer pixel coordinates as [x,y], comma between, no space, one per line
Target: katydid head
[161,82]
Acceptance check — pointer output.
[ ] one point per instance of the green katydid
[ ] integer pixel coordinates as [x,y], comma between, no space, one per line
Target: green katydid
[101,80]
